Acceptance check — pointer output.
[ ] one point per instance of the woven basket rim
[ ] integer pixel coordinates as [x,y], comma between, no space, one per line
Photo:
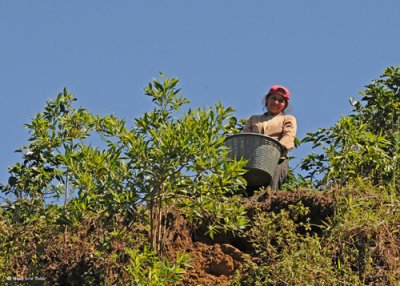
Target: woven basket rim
[247,134]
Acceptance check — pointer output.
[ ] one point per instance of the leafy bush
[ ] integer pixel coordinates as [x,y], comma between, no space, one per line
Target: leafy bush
[286,250]
[364,144]
[145,268]
[363,236]
[101,168]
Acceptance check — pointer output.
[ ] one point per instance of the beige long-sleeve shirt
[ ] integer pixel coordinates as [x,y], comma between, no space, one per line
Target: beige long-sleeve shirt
[280,127]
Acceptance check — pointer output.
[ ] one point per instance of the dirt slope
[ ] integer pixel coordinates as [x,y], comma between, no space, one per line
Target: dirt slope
[215,260]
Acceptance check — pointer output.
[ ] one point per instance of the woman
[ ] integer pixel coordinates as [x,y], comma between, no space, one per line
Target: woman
[274,123]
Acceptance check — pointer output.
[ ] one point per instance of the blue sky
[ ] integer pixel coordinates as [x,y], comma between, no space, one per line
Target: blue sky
[105,52]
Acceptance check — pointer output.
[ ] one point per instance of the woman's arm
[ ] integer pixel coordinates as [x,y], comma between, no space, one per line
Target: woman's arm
[247,126]
[289,131]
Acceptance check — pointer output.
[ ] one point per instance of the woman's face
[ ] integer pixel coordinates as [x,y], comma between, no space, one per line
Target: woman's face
[276,103]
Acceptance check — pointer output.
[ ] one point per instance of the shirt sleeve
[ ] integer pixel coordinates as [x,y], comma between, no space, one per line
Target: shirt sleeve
[289,132]
[247,127]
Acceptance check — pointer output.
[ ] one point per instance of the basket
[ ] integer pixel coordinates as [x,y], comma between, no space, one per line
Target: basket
[262,153]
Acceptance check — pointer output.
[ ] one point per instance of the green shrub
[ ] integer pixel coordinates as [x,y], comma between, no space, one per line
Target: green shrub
[363,235]
[287,253]
[145,268]
[364,144]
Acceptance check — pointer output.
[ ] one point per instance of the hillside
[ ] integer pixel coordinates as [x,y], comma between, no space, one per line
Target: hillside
[95,201]
[314,243]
